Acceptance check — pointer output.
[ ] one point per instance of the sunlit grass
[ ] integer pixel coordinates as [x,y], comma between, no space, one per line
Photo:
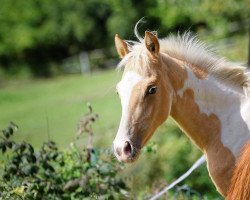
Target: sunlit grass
[52,108]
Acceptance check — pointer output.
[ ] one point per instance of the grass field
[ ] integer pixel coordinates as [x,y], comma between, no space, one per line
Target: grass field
[52,108]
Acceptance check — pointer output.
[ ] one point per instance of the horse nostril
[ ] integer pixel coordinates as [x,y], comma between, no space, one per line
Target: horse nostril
[127,148]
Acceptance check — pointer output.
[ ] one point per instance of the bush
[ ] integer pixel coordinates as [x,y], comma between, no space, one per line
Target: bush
[49,173]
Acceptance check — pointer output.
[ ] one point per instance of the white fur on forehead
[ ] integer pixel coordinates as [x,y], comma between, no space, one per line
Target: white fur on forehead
[137,55]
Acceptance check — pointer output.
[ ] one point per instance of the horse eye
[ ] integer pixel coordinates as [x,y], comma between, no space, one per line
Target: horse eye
[152,90]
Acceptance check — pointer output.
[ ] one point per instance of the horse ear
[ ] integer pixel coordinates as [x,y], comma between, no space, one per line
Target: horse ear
[152,43]
[121,46]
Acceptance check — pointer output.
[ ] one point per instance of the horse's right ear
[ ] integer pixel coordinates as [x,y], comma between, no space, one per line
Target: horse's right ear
[152,43]
[121,46]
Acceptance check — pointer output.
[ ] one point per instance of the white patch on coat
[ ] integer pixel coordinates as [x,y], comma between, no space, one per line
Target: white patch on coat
[227,104]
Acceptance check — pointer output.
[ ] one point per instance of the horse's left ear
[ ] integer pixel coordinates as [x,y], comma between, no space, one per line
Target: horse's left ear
[121,46]
[152,43]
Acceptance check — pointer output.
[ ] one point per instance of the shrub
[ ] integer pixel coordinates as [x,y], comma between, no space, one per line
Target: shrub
[48,173]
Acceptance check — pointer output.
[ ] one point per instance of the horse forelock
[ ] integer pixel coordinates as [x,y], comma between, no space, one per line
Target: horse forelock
[136,60]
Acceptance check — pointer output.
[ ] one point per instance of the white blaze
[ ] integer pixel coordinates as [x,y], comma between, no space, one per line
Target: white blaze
[125,88]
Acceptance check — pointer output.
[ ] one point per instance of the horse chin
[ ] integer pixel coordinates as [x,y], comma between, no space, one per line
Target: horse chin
[133,158]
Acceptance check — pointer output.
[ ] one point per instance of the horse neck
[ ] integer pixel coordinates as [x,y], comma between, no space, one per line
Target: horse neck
[204,107]
[212,115]
[195,111]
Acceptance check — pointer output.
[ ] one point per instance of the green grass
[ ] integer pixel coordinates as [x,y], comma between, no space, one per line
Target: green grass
[54,106]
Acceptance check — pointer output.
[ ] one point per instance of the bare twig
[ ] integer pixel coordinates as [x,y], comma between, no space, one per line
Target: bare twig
[85,126]
[82,182]
[48,129]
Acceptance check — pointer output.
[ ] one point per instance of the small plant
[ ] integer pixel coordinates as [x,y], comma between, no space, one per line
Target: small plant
[50,173]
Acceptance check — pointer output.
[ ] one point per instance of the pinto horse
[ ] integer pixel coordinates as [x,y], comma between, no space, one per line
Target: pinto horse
[206,96]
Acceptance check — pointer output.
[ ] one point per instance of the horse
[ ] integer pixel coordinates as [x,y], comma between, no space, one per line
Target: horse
[206,95]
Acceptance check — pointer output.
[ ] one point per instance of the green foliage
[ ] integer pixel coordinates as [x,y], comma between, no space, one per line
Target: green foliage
[39,34]
[215,15]
[52,174]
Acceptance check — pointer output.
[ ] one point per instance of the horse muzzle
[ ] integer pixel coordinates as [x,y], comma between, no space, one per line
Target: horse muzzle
[125,151]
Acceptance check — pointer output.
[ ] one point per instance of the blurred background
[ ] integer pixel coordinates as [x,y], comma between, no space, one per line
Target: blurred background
[55,56]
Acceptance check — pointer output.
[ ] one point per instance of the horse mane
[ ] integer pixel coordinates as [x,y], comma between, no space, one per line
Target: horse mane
[189,49]
[240,182]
